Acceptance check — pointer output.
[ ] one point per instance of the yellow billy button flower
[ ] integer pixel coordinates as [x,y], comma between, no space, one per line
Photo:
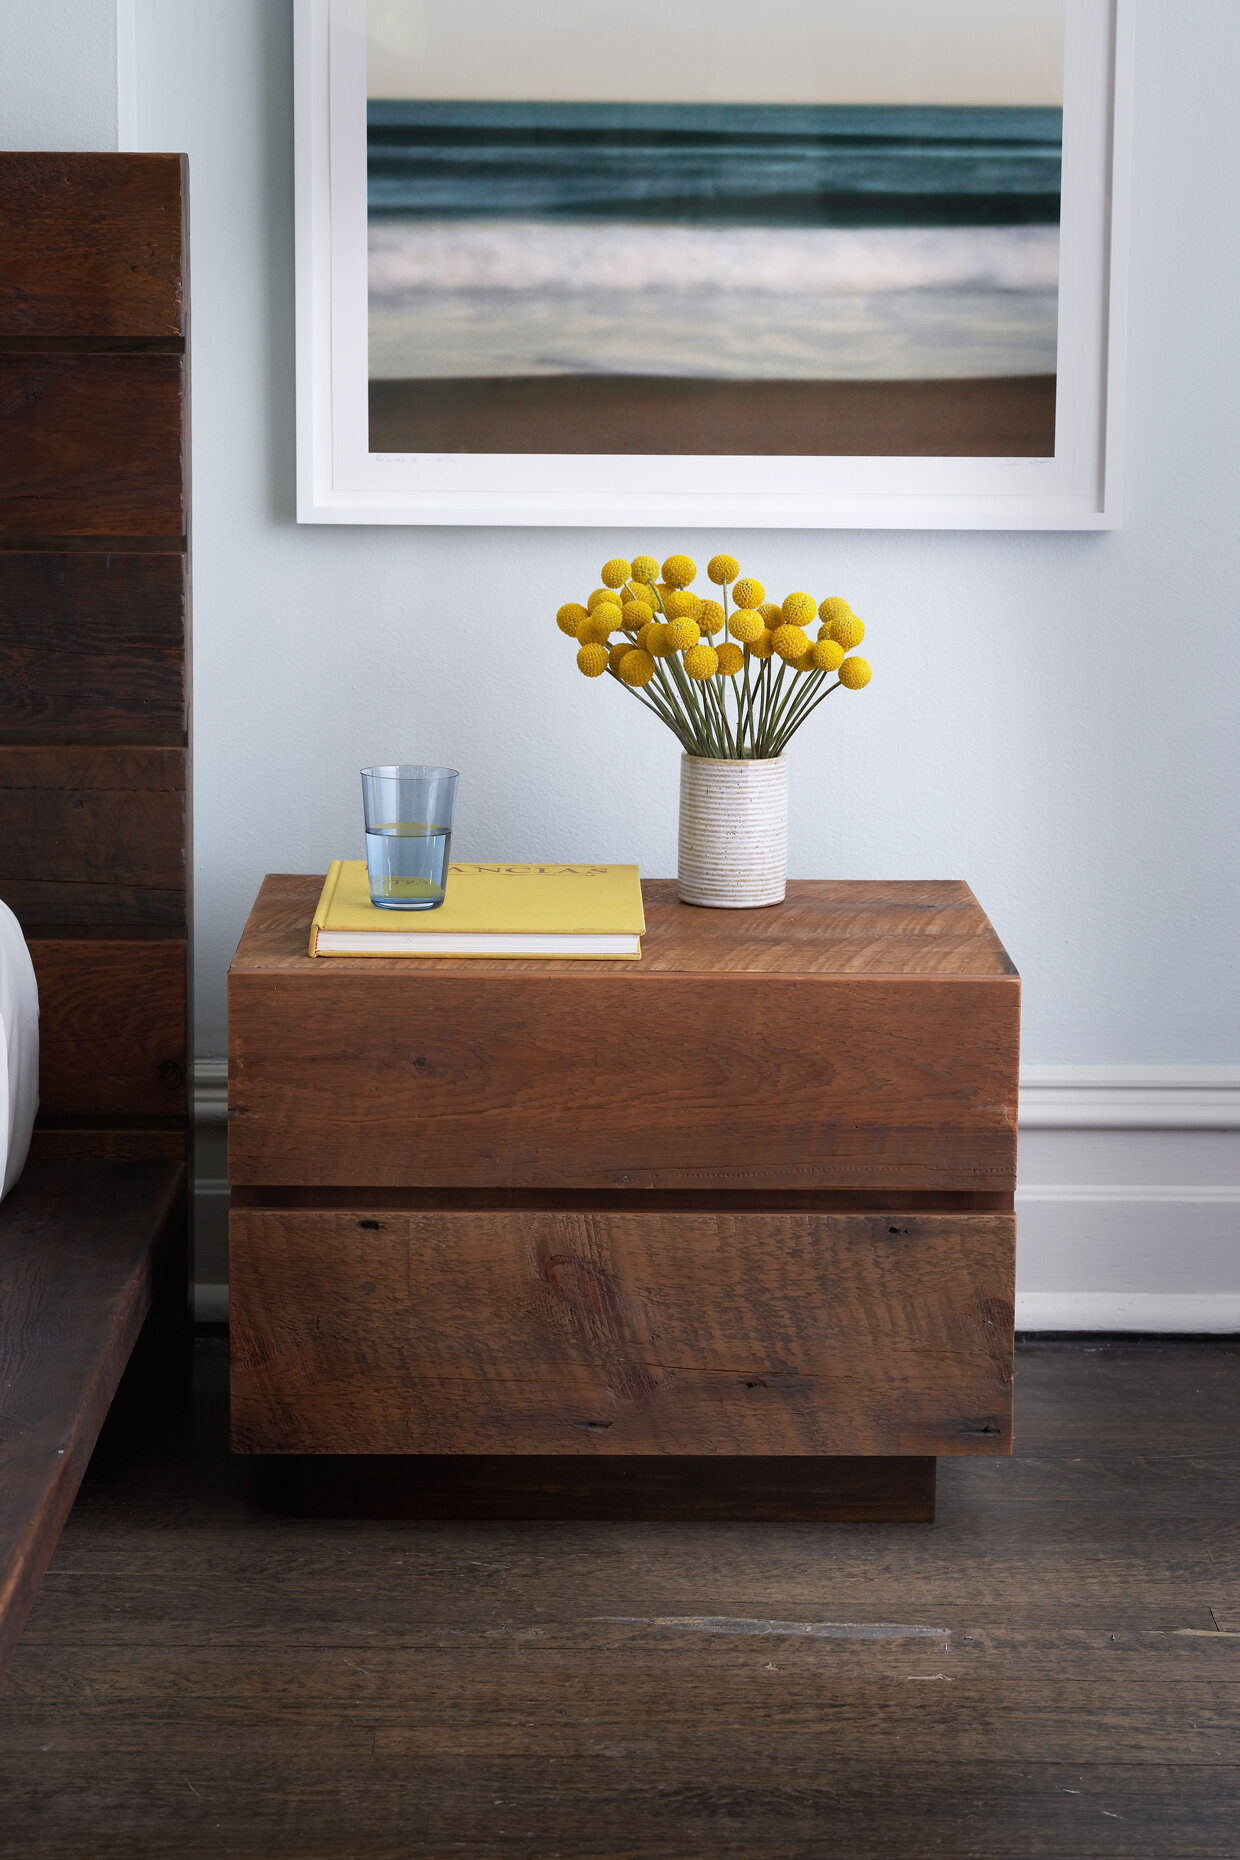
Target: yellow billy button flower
[599,596]
[746,625]
[835,607]
[645,569]
[761,648]
[749,593]
[570,618]
[772,613]
[711,617]
[790,642]
[679,571]
[681,605]
[636,614]
[637,667]
[702,662]
[847,632]
[617,652]
[592,660]
[616,572]
[730,657]
[855,674]
[682,634]
[656,639]
[722,568]
[828,655]
[799,609]
[594,629]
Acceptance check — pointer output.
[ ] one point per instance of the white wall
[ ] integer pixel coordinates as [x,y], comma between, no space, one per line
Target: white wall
[58,74]
[1052,717]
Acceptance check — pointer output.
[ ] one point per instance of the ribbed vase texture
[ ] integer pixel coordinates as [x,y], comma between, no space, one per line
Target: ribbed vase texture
[733,832]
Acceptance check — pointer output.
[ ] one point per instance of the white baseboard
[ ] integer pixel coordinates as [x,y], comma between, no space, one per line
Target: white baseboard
[1128,1199]
[1164,1312]
[1130,1098]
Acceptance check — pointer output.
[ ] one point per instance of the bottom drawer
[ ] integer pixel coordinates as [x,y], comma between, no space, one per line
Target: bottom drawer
[604,1332]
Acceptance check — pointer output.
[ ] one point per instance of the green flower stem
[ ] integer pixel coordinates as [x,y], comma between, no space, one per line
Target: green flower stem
[807,700]
[732,687]
[657,702]
[674,700]
[659,714]
[772,709]
[744,706]
[654,705]
[782,725]
[800,709]
[814,706]
[761,699]
[755,698]
[696,707]
[719,726]
[717,697]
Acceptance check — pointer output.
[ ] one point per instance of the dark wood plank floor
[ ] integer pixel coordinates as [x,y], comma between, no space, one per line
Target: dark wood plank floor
[1051,1669]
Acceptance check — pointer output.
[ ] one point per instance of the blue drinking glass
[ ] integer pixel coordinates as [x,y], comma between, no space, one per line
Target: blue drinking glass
[408,834]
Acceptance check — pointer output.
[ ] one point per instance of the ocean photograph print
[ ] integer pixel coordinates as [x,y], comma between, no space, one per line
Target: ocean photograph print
[875,272]
[773,261]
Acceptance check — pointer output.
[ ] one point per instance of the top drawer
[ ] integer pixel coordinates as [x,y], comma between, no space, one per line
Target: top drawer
[408,1075]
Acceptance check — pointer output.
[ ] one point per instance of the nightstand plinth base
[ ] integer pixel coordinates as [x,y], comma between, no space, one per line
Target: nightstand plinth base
[640,1489]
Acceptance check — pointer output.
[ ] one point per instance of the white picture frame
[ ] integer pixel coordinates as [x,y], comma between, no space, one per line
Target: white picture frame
[340,481]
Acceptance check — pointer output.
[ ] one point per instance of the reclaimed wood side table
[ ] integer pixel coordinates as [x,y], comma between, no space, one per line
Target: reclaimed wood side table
[725,1232]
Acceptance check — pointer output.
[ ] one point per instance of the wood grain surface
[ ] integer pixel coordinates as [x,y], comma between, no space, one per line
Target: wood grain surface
[92,445]
[104,1141]
[931,927]
[93,836]
[112,1027]
[93,246]
[621,1333]
[78,1264]
[204,1677]
[92,648]
[641,1081]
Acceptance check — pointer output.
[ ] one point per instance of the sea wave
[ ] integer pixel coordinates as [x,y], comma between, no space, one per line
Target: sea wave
[410,257]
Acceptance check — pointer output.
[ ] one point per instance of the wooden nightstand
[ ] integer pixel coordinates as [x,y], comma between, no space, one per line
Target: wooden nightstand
[728,1231]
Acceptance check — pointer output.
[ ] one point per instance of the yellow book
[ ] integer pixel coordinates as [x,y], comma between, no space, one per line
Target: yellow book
[488,910]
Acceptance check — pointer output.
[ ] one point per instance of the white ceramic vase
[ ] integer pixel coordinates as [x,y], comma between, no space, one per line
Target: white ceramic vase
[733,832]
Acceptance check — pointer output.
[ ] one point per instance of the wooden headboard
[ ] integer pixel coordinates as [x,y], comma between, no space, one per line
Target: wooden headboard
[94,586]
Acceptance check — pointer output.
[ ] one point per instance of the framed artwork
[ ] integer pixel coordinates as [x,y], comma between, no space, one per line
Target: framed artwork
[744,263]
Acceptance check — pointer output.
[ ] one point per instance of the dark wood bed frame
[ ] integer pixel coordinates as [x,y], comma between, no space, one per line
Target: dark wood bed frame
[94,610]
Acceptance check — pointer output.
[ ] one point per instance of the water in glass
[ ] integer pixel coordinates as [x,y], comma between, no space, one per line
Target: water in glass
[406,863]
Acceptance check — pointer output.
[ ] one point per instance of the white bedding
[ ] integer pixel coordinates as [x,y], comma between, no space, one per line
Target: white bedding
[19,1049]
